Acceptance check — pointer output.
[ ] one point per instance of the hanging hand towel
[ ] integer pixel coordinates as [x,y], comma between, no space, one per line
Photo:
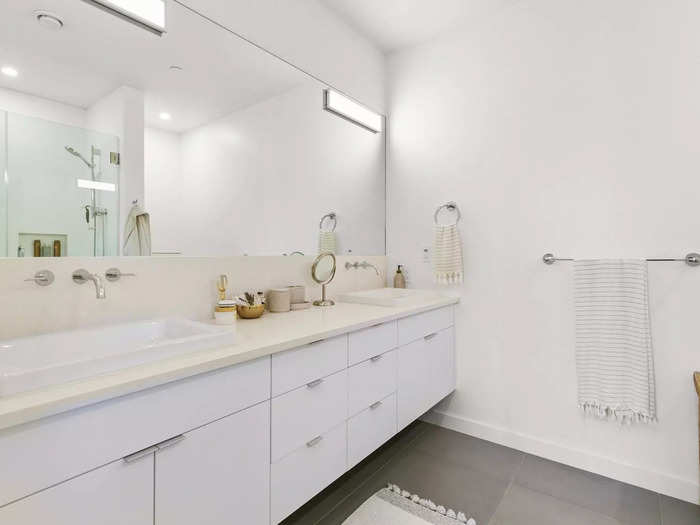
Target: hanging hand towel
[326,242]
[447,255]
[614,358]
[137,232]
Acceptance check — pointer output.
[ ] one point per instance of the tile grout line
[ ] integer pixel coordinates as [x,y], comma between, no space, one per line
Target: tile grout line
[661,512]
[371,476]
[510,484]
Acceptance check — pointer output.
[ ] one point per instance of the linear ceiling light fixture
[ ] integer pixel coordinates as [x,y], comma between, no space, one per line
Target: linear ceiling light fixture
[148,14]
[96,185]
[348,109]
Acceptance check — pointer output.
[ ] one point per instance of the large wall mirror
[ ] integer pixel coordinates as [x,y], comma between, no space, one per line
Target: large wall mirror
[224,148]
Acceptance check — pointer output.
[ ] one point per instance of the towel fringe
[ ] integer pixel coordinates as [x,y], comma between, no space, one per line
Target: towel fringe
[448,277]
[624,416]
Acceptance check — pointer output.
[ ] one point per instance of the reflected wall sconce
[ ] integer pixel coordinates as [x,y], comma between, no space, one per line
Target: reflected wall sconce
[347,108]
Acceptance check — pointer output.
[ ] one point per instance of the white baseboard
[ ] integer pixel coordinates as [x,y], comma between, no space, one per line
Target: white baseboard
[675,487]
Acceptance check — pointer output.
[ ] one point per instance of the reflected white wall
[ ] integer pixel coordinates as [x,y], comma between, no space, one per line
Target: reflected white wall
[258,181]
[163,189]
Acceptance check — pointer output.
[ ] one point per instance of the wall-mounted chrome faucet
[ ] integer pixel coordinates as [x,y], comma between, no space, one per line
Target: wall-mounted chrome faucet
[363,264]
[82,276]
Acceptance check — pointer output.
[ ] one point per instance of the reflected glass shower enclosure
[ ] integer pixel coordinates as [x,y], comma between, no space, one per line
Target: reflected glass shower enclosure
[59,194]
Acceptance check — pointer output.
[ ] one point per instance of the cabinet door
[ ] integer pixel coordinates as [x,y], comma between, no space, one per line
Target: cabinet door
[116,494]
[219,473]
[426,374]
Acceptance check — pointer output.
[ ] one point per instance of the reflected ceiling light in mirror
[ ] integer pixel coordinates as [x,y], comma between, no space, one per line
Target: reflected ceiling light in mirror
[149,14]
[348,109]
[9,71]
[96,185]
[165,116]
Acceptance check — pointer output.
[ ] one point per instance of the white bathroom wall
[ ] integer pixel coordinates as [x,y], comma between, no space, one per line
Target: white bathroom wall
[162,287]
[31,106]
[258,181]
[309,35]
[163,189]
[570,127]
[121,113]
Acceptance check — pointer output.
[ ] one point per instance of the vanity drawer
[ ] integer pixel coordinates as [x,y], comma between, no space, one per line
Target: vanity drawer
[297,367]
[306,471]
[371,428]
[308,411]
[420,325]
[371,380]
[371,341]
[42,453]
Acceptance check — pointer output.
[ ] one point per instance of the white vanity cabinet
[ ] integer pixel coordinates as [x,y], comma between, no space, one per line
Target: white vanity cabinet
[115,494]
[248,443]
[218,470]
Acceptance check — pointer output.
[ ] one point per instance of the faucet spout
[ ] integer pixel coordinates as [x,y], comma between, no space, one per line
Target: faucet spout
[82,276]
[363,264]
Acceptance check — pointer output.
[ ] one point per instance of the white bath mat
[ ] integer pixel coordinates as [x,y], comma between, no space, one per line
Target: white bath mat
[393,506]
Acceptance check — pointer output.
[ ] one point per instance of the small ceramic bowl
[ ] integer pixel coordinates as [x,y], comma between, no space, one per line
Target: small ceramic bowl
[250,312]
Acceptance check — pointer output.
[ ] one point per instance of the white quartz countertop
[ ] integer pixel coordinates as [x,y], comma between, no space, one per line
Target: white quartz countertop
[257,338]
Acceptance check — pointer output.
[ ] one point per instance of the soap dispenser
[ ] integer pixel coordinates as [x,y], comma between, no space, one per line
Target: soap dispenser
[399,278]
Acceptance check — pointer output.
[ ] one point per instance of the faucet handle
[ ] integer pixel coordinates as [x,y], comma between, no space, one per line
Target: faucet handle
[42,278]
[114,274]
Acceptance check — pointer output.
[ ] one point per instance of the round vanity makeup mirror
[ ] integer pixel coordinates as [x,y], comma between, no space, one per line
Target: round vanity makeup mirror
[323,271]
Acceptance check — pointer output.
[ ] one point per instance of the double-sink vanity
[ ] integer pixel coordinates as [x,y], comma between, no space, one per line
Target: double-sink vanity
[202,426]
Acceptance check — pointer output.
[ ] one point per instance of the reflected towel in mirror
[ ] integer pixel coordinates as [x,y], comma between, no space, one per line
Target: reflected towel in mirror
[137,232]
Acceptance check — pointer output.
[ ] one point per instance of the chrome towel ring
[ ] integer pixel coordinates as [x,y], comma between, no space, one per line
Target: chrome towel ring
[450,206]
[330,216]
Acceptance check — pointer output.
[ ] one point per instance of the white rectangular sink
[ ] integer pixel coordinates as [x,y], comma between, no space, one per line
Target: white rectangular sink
[34,362]
[387,296]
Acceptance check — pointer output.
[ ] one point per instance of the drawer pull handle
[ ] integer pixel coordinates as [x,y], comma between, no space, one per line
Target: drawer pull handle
[375,405]
[315,441]
[314,383]
[140,454]
[430,336]
[376,358]
[316,342]
[170,442]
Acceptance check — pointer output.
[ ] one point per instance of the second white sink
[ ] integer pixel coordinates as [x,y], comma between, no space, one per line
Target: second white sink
[33,362]
[386,296]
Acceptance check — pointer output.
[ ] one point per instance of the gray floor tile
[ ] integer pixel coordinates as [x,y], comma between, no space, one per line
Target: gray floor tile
[627,504]
[522,506]
[677,512]
[340,490]
[476,454]
[462,489]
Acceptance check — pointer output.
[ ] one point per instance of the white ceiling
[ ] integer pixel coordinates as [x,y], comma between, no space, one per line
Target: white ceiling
[395,24]
[96,53]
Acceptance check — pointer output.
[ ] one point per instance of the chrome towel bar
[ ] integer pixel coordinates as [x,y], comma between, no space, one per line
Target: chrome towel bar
[692,259]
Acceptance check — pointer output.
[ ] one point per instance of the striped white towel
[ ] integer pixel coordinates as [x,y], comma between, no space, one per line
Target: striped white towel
[614,358]
[326,242]
[447,255]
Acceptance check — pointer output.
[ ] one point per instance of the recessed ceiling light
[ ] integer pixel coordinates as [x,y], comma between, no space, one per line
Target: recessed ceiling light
[48,20]
[165,116]
[175,68]
[9,71]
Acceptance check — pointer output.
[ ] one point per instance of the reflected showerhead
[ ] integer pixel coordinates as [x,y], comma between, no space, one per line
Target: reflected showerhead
[76,154]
